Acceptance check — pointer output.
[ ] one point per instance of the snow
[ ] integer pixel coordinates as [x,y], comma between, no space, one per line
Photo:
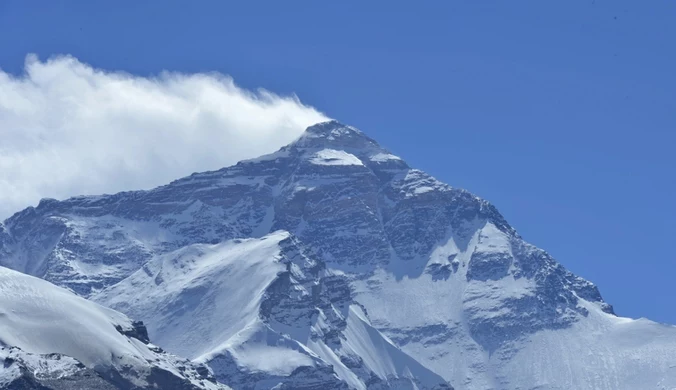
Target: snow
[335,130]
[344,373]
[602,352]
[334,157]
[41,319]
[204,301]
[40,366]
[493,240]
[383,157]
[258,348]
[415,182]
[422,190]
[379,354]
[195,299]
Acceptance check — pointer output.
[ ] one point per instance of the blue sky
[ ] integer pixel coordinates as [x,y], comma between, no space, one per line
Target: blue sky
[562,114]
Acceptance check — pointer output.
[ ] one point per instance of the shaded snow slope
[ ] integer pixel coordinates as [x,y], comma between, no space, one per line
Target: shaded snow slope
[38,318]
[602,352]
[434,269]
[494,326]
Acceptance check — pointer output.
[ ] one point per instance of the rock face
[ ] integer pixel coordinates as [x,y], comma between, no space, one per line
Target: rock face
[25,371]
[335,257]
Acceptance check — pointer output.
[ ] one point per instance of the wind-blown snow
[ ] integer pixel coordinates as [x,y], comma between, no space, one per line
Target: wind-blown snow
[260,349]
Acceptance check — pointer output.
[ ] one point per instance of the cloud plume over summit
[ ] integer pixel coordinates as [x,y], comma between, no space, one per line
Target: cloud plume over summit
[67,128]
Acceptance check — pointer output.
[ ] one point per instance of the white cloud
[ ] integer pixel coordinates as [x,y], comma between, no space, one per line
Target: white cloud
[68,129]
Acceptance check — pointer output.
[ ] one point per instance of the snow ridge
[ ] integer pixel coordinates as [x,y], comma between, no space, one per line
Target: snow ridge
[47,333]
[291,314]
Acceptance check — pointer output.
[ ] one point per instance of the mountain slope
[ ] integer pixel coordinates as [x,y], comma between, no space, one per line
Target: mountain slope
[48,333]
[438,271]
[261,312]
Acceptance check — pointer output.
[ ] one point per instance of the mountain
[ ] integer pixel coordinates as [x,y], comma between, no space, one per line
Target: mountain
[331,263]
[52,339]
[264,305]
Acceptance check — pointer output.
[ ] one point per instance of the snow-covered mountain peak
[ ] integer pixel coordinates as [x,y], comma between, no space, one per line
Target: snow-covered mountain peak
[331,129]
[329,240]
[333,135]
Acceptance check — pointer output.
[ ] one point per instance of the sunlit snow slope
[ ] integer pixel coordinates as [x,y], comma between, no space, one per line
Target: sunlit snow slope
[47,333]
[263,312]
